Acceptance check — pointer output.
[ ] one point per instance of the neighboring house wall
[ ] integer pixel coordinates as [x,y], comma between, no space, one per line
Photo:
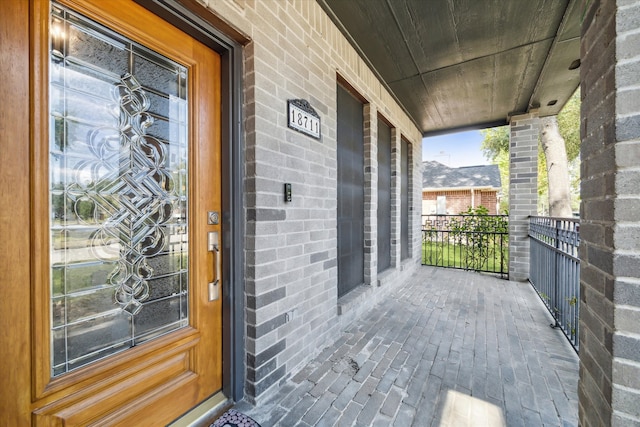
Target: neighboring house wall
[447,190]
[460,201]
[292,301]
[489,199]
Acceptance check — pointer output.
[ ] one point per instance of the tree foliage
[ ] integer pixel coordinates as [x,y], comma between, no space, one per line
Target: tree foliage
[495,147]
[495,142]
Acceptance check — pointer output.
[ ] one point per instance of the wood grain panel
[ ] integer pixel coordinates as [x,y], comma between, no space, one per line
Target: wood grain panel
[15,300]
[124,395]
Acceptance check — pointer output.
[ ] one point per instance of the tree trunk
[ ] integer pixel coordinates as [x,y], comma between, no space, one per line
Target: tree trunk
[557,168]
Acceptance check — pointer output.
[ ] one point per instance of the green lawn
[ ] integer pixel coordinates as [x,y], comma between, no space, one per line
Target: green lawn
[444,254]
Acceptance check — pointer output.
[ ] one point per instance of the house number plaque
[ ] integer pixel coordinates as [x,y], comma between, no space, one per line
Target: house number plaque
[303,118]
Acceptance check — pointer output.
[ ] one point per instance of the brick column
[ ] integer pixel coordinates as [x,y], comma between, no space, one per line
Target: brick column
[609,386]
[414,175]
[395,199]
[370,194]
[523,190]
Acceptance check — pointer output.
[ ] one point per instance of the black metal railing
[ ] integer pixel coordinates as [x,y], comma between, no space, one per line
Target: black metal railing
[469,242]
[554,270]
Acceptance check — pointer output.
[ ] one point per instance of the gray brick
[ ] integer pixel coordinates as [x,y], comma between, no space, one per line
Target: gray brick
[347,395]
[320,371]
[508,375]
[627,209]
[394,348]
[329,418]
[493,387]
[371,408]
[266,355]
[392,403]
[255,375]
[266,327]
[323,385]
[350,414]
[387,380]
[540,389]
[626,74]
[297,413]
[379,353]
[381,367]
[426,409]
[404,376]
[531,418]
[254,302]
[399,360]
[626,347]
[527,397]
[626,265]
[319,408]
[267,382]
[619,420]
[512,406]
[294,397]
[416,385]
[628,320]
[626,374]
[439,367]
[340,383]
[266,214]
[366,390]
[364,371]
[405,416]
[548,414]
[381,421]
[274,416]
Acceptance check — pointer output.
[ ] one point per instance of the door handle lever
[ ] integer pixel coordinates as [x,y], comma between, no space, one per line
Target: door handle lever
[214,246]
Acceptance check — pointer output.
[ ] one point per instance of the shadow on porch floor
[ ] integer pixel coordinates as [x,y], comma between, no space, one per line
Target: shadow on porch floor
[448,348]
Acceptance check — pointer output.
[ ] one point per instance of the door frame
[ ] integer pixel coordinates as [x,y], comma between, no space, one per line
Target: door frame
[200,23]
[15,89]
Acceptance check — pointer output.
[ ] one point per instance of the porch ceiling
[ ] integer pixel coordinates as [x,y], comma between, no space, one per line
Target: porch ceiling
[464,64]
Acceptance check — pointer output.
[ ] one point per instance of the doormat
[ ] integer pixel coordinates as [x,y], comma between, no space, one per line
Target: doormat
[233,418]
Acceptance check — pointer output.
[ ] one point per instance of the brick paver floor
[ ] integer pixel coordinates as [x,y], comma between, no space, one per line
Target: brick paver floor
[448,348]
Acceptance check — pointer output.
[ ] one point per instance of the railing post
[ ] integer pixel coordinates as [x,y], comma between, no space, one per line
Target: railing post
[556,281]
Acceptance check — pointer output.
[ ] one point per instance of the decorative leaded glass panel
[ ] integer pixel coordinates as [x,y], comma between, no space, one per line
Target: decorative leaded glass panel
[118,192]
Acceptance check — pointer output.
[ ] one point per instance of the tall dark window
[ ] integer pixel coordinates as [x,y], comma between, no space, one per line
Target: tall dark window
[404,199]
[384,196]
[350,192]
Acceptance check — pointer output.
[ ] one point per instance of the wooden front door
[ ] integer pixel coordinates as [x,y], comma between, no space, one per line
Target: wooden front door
[127,316]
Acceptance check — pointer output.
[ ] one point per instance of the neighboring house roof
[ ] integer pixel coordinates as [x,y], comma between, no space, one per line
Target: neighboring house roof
[435,175]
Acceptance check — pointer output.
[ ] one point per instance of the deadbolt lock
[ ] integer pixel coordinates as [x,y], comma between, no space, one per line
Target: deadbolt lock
[213,218]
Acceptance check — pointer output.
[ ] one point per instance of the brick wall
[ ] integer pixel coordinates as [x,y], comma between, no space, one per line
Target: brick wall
[460,201]
[609,386]
[625,397]
[489,199]
[290,248]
